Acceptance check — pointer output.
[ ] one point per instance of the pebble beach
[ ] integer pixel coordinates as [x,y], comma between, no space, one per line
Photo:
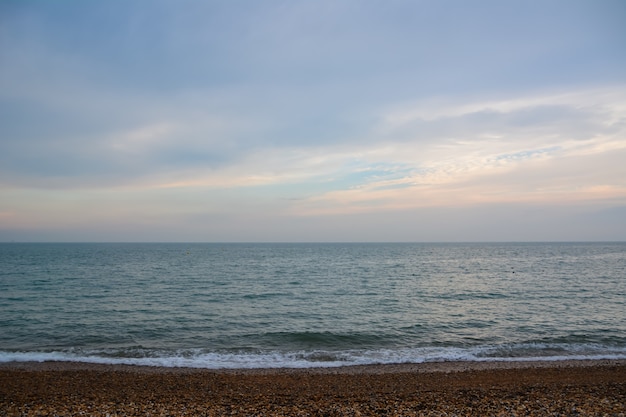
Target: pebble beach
[564,388]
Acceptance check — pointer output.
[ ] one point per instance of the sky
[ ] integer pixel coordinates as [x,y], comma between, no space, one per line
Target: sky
[324,121]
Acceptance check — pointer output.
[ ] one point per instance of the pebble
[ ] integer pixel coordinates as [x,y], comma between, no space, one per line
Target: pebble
[574,391]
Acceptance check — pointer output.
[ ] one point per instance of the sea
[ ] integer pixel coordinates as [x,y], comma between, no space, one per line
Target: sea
[302,305]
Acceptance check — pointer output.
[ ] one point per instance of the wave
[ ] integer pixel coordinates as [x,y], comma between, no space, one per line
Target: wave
[199,358]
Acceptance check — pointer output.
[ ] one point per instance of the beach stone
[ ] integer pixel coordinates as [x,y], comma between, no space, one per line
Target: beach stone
[578,389]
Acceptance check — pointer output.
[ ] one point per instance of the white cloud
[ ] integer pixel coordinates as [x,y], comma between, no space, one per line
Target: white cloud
[535,162]
[306,109]
[609,100]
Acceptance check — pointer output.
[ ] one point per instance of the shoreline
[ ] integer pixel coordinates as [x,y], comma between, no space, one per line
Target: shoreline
[572,387]
[418,367]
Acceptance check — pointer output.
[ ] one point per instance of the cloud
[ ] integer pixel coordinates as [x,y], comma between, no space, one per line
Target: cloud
[166,113]
[505,155]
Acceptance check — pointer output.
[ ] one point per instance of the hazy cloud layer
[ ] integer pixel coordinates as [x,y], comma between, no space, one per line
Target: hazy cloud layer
[312,120]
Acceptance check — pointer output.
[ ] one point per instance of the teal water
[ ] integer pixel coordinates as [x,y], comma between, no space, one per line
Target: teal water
[303,305]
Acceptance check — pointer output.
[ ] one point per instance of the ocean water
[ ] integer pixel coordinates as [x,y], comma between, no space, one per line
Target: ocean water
[310,305]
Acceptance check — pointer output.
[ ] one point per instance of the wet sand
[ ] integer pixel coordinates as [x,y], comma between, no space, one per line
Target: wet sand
[568,388]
